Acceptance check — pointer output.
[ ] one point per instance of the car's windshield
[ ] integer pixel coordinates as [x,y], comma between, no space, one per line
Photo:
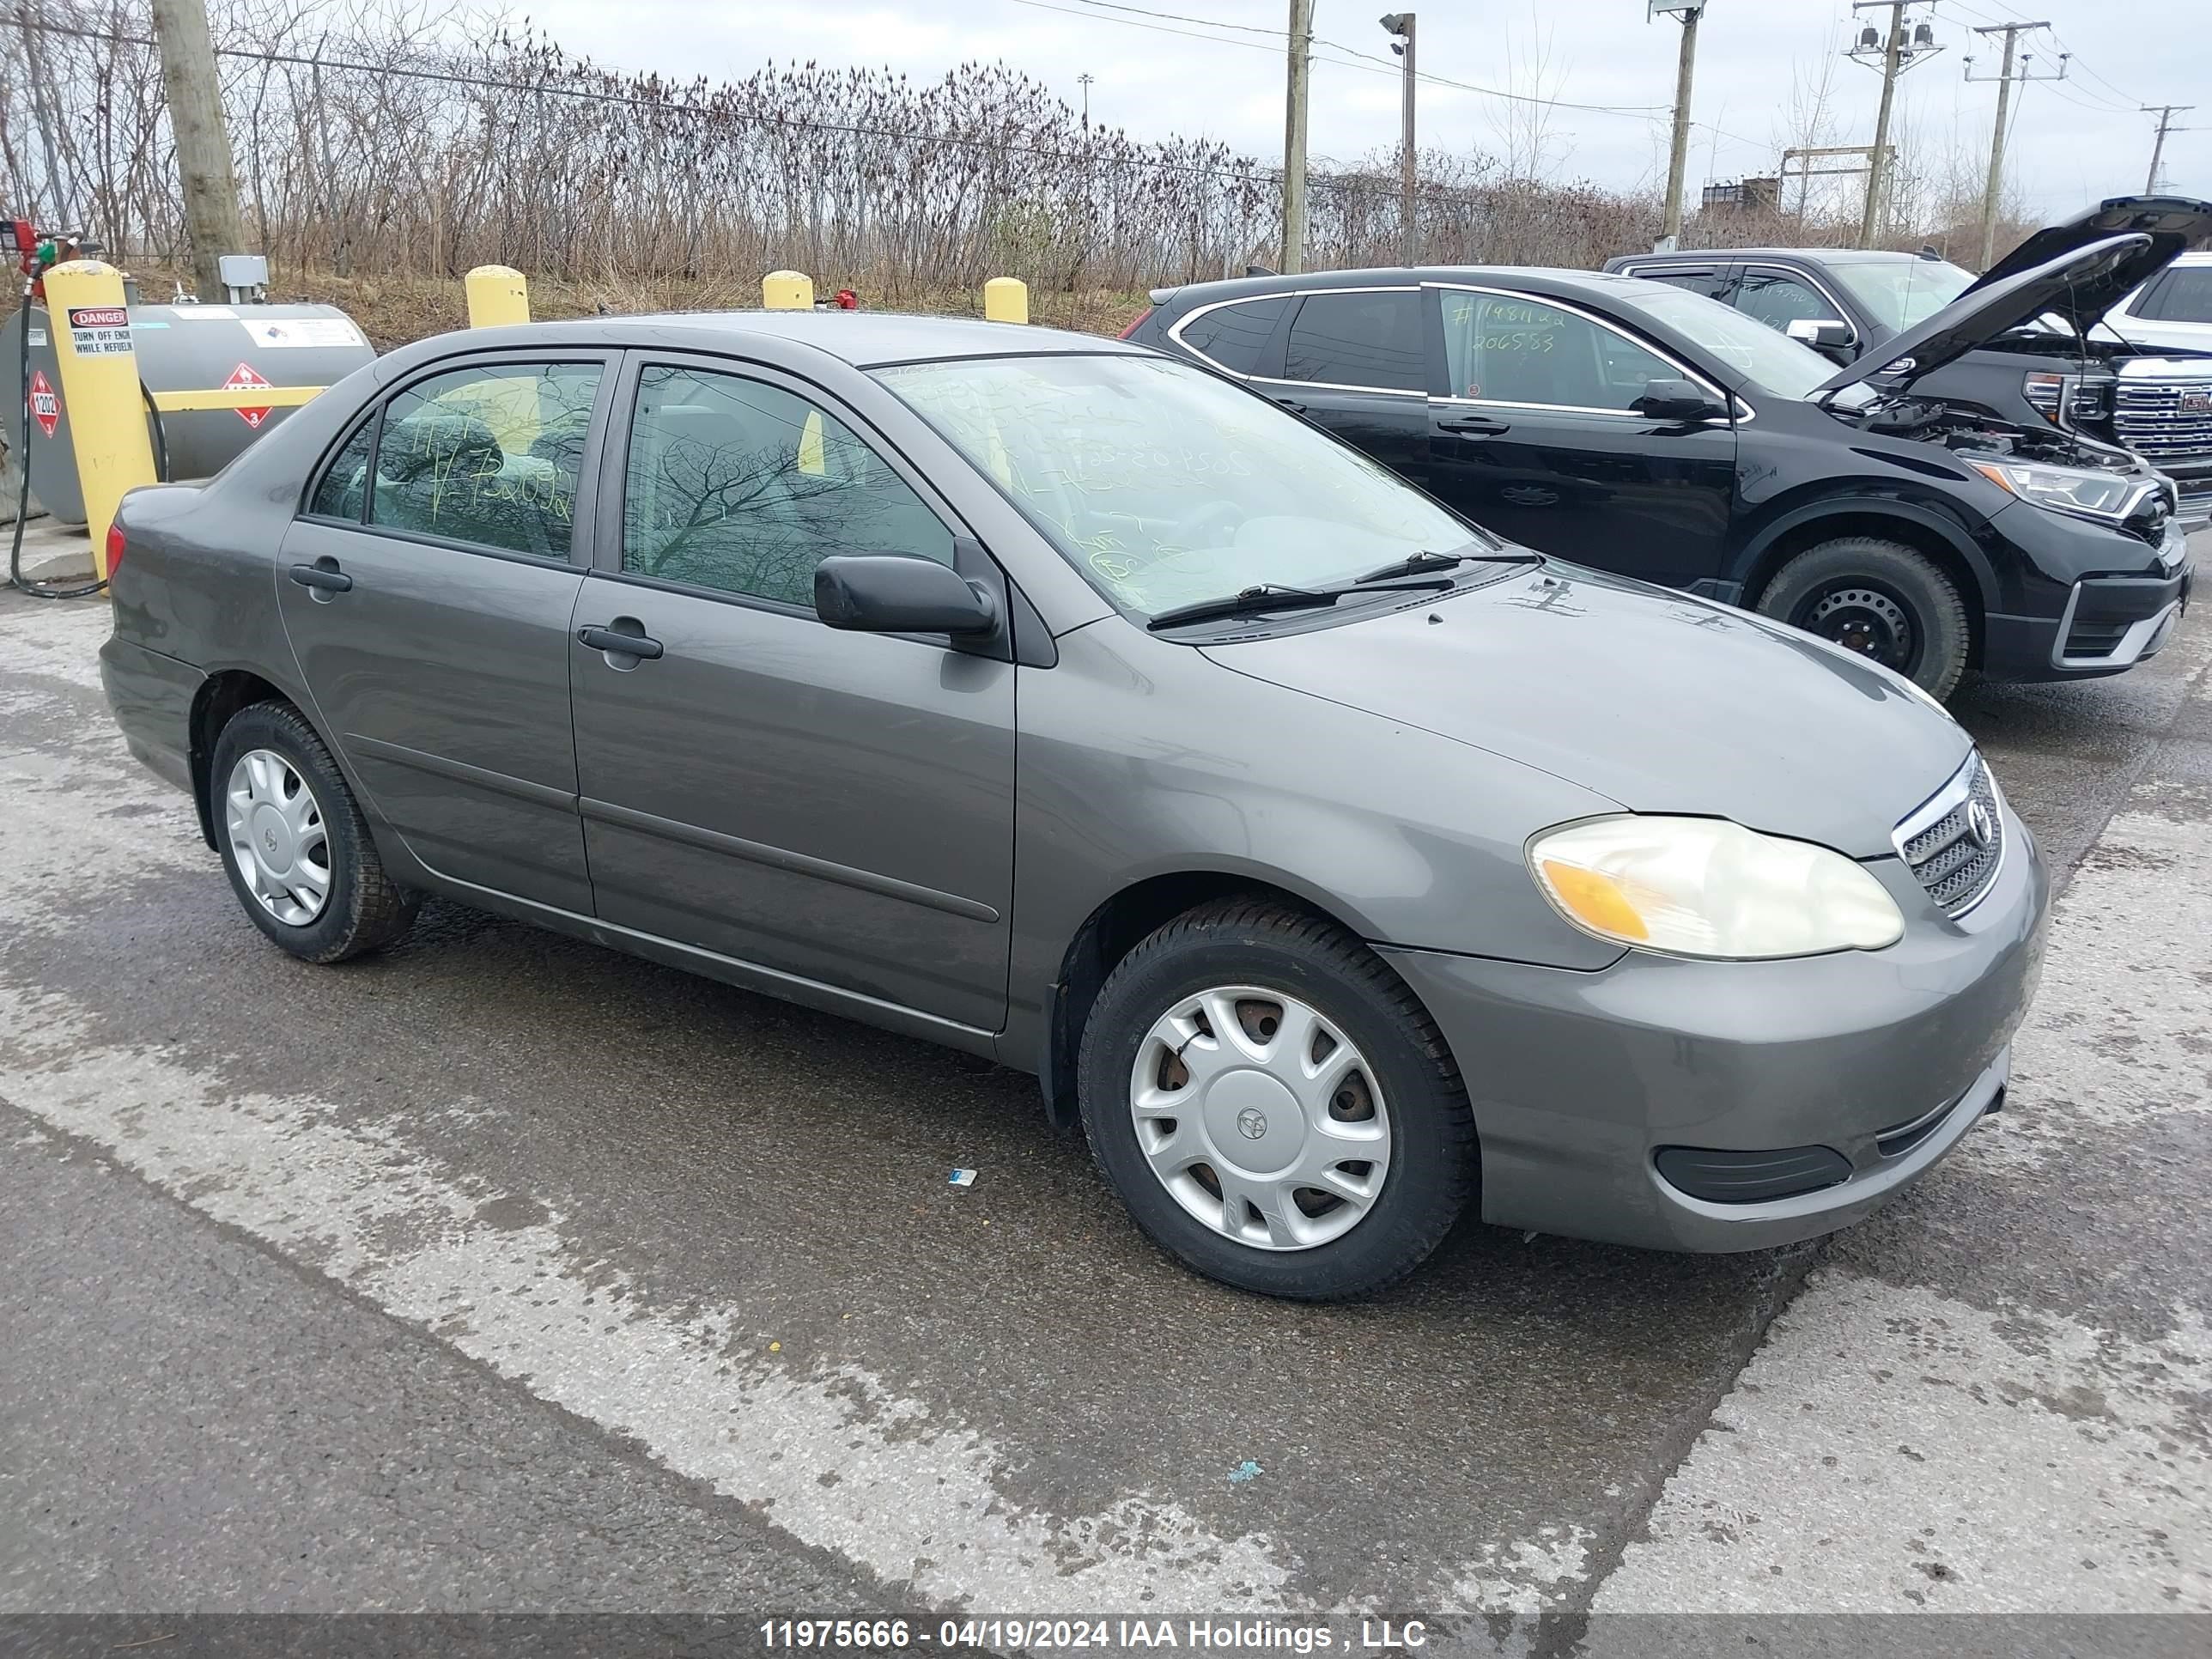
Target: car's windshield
[1902,292]
[1165,485]
[1766,357]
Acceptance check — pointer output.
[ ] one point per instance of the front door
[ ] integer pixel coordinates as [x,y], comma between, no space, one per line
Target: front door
[427,593]
[1535,439]
[834,806]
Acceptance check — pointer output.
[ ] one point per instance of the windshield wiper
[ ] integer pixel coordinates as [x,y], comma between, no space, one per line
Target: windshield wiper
[1268,596]
[1414,563]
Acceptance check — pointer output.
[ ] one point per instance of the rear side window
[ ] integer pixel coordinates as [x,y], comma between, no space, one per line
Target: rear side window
[1707,280]
[488,455]
[2182,294]
[738,485]
[1355,338]
[1232,336]
[341,491]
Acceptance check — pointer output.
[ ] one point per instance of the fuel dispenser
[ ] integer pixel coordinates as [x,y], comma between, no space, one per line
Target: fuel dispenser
[212,377]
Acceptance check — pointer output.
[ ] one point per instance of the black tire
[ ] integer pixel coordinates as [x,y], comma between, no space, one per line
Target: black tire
[364,909]
[1861,592]
[1431,1171]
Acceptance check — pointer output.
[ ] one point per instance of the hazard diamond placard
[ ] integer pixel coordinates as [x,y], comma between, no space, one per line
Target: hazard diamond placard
[45,403]
[243,379]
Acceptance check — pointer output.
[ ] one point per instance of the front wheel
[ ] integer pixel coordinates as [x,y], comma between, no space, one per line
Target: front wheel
[1273,1104]
[1881,600]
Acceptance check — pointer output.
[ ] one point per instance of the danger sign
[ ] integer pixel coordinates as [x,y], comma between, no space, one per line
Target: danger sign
[45,403]
[99,330]
[243,379]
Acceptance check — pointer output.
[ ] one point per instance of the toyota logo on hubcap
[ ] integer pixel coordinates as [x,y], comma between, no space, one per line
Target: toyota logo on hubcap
[1251,1123]
[268,840]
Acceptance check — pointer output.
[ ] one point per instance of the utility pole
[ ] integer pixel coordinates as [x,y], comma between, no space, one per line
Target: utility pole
[1084,81]
[1294,137]
[1899,53]
[2166,112]
[1677,155]
[204,162]
[1995,186]
[1400,23]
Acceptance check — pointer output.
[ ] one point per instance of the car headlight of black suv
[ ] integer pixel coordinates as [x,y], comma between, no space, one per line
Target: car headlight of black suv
[2107,498]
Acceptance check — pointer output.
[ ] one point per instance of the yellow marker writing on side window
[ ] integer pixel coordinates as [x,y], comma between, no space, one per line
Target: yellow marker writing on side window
[809,446]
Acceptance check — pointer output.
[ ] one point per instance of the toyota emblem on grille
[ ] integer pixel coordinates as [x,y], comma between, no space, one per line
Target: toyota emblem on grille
[1251,1123]
[1980,826]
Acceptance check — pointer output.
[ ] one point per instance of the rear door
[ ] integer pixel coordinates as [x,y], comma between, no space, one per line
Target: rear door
[833,806]
[426,591]
[1354,360]
[1535,439]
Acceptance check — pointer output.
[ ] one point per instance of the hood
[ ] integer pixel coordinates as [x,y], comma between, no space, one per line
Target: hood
[1659,701]
[2173,223]
[1990,309]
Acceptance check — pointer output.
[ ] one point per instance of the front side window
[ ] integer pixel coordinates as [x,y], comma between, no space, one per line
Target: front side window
[744,486]
[1504,348]
[2182,294]
[1355,338]
[1760,354]
[1232,336]
[1778,300]
[488,455]
[1164,484]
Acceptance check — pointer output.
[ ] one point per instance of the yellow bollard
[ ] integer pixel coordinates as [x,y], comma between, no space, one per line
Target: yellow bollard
[498,295]
[787,290]
[91,327]
[1006,299]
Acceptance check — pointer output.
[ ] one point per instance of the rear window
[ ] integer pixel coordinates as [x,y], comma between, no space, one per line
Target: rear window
[1232,336]
[1358,338]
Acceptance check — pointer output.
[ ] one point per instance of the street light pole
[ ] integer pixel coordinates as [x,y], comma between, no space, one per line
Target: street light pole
[1400,23]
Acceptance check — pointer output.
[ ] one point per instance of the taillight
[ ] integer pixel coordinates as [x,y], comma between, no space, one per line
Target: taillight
[1136,322]
[115,546]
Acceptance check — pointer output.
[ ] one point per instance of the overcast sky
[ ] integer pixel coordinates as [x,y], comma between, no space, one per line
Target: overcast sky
[2074,140]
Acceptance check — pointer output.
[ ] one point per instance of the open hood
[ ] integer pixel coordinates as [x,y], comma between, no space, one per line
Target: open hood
[1999,303]
[2172,223]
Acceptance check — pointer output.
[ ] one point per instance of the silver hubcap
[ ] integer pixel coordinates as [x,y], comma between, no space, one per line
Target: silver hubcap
[1261,1118]
[276,836]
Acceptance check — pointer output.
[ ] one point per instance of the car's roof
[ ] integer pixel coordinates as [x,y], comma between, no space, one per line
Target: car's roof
[1821,255]
[862,338]
[1543,278]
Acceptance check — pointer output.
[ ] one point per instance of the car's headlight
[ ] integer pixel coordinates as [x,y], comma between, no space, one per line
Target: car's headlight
[2105,497]
[1705,887]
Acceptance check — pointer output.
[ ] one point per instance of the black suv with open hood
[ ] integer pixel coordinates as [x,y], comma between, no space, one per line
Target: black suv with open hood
[1650,430]
[1849,305]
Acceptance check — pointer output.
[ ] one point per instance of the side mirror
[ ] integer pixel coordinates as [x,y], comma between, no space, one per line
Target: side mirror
[894,593]
[1821,333]
[1678,400]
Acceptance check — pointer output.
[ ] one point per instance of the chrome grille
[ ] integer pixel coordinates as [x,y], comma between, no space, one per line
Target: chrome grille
[2150,420]
[1955,842]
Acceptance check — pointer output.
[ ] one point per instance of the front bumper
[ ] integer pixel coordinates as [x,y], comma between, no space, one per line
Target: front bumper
[2108,621]
[1578,1081]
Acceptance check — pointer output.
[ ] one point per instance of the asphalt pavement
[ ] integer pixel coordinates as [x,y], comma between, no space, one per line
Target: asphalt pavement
[502,1273]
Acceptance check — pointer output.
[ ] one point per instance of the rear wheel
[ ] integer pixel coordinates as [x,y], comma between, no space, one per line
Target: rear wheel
[1273,1104]
[294,845]
[1881,600]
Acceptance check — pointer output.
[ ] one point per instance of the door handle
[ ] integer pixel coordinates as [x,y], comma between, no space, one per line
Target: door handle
[619,642]
[1472,426]
[324,573]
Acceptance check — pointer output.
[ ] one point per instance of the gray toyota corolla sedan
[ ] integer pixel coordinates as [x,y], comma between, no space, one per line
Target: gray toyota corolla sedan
[1336,864]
